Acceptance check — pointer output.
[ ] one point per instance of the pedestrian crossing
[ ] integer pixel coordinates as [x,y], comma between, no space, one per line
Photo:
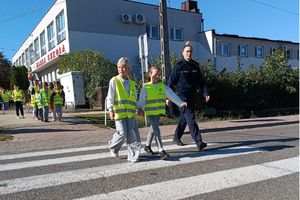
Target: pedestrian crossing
[88,181]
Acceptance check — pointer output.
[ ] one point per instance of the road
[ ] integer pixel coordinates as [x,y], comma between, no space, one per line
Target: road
[250,162]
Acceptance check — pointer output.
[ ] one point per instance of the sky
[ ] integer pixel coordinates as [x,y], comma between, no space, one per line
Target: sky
[271,19]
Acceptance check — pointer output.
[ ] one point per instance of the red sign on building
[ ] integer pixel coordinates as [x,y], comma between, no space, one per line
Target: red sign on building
[51,55]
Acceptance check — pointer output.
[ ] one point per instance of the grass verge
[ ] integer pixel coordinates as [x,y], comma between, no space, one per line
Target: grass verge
[4,136]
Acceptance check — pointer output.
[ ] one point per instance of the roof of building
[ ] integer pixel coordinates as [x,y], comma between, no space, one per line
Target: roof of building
[252,38]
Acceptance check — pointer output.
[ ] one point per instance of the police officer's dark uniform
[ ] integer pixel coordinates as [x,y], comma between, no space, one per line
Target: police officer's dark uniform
[187,79]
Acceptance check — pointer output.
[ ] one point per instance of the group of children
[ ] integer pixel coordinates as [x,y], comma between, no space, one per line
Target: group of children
[123,106]
[42,98]
[47,97]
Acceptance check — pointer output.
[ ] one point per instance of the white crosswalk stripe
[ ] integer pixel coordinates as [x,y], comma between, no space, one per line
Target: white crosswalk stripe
[209,182]
[62,160]
[28,183]
[60,151]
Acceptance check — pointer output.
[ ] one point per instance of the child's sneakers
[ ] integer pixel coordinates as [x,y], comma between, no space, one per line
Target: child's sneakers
[112,152]
[133,160]
[164,155]
[148,150]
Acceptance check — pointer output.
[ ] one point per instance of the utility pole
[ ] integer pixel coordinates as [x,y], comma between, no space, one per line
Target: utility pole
[164,46]
[164,40]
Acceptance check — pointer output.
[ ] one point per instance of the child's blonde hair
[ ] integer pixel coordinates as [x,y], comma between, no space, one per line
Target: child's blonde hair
[123,61]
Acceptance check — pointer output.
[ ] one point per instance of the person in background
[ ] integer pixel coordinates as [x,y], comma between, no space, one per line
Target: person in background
[51,103]
[121,104]
[44,98]
[57,98]
[5,95]
[152,101]
[187,78]
[18,97]
[35,90]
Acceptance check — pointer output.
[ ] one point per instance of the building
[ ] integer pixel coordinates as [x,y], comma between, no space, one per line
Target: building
[113,27]
[225,51]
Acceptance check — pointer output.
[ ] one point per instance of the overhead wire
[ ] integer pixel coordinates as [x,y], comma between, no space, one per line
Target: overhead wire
[271,6]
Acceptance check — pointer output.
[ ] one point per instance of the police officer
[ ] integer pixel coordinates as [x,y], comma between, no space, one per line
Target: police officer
[187,79]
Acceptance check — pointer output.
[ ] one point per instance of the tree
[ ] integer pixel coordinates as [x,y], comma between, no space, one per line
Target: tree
[94,66]
[5,68]
[19,76]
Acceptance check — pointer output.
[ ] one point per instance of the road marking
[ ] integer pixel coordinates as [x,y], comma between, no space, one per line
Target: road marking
[205,183]
[59,151]
[65,177]
[68,159]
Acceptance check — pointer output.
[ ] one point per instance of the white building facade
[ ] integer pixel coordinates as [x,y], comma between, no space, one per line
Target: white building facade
[225,51]
[113,27]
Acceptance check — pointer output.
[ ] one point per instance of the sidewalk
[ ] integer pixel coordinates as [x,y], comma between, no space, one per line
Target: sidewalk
[30,134]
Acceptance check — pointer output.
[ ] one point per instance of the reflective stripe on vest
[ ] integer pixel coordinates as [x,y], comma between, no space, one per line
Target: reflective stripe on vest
[18,95]
[124,104]
[58,100]
[156,100]
[33,100]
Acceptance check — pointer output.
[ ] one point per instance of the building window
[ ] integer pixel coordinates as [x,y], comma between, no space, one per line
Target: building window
[259,52]
[297,54]
[176,34]
[224,49]
[22,59]
[31,53]
[60,27]
[50,33]
[243,50]
[36,49]
[272,50]
[27,55]
[288,54]
[43,43]
[153,32]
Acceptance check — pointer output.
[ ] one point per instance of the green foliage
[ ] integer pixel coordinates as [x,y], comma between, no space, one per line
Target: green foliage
[273,85]
[19,75]
[95,67]
[4,71]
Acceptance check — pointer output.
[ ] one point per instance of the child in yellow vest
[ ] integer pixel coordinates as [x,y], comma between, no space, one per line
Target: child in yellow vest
[57,98]
[152,101]
[121,104]
[44,98]
[5,95]
[18,98]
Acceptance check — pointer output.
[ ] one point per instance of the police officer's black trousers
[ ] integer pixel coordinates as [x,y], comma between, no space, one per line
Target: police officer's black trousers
[187,117]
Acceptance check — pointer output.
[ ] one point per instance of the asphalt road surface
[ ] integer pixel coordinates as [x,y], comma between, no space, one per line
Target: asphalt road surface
[250,163]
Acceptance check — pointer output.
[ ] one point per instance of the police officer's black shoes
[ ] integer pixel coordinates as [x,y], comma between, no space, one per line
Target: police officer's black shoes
[164,155]
[148,150]
[178,142]
[201,145]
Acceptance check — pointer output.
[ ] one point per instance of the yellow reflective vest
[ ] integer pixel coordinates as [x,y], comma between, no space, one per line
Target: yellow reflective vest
[18,95]
[155,101]
[5,97]
[124,104]
[58,100]
[45,96]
